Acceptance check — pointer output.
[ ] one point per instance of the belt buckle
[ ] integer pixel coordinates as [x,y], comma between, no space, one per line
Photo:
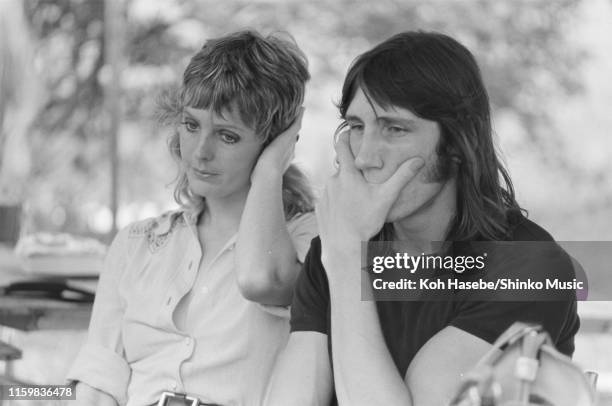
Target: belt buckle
[167,397]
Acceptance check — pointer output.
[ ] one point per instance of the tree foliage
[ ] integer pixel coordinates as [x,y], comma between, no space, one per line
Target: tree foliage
[521,46]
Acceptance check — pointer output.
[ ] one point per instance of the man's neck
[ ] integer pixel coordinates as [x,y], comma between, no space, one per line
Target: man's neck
[431,223]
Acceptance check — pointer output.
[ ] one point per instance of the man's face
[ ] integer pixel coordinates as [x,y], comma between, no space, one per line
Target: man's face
[382,139]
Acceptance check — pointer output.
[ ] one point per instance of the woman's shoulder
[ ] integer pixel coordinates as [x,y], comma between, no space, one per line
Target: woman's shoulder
[155,232]
[160,225]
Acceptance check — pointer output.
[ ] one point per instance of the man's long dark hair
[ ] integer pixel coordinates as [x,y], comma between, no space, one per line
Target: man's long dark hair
[438,79]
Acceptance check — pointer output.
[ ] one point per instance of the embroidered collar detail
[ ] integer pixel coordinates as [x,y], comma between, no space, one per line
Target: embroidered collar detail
[159,229]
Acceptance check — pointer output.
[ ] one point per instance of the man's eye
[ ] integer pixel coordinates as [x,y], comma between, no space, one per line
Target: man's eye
[190,126]
[229,138]
[355,127]
[394,130]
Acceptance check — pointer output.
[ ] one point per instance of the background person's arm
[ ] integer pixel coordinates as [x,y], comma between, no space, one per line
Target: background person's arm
[302,376]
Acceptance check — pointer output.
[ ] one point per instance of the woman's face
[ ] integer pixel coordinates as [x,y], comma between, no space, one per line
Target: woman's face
[218,153]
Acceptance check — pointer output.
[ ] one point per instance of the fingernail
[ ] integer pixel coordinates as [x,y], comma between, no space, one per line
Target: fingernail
[416,164]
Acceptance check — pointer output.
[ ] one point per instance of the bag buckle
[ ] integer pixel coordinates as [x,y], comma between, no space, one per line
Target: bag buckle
[166,399]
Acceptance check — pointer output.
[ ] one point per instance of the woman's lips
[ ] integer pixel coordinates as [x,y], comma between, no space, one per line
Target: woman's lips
[203,174]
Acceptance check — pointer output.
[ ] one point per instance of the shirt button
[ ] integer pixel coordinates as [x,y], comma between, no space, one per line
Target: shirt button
[188,341]
[174,386]
[204,290]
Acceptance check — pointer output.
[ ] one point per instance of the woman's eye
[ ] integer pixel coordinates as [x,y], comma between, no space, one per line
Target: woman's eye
[229,138]
[190,126]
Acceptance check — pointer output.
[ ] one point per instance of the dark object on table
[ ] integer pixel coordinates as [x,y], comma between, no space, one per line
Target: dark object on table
[8,352]
[49,289]
[10,220]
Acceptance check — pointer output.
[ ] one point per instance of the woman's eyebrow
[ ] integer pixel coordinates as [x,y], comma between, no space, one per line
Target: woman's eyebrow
[189,115]
[230,126]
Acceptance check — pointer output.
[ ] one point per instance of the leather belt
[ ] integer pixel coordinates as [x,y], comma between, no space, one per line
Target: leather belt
[181,399]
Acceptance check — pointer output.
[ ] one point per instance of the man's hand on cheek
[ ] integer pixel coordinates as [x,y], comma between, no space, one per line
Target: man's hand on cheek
[351,209]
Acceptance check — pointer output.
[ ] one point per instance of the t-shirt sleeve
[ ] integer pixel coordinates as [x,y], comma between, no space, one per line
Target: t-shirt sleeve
[310,307]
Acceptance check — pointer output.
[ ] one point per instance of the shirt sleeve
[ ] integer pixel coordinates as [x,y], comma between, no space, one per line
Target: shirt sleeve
[100,362]
[310,307]
[302,229]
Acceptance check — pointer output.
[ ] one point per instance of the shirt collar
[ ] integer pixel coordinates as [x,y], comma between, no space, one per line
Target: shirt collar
[168,220]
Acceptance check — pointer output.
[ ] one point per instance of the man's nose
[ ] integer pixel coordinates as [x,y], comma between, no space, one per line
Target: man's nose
[206,146]
[368,151]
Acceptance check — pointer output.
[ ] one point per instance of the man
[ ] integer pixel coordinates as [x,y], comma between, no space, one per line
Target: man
[416,164]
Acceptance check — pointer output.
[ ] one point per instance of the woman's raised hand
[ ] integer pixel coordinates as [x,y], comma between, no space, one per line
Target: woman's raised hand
[277,156]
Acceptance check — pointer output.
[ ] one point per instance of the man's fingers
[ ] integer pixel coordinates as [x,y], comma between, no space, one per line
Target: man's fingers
[344,155]
[404,174]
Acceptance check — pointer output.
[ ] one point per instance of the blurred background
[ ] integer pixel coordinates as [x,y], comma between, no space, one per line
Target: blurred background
[547,66]
[81,152]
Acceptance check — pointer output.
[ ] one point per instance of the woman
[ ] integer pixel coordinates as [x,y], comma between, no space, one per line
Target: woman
[193,302]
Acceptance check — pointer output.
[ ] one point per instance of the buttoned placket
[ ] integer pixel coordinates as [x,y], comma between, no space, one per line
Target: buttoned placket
[180,286]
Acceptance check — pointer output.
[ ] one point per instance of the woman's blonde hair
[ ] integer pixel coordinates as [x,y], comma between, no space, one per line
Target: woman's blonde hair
[263,79]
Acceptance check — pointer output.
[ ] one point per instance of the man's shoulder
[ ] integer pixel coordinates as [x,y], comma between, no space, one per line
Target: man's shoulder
[524,229]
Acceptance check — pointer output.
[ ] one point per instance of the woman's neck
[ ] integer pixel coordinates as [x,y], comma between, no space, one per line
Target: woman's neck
[223,214]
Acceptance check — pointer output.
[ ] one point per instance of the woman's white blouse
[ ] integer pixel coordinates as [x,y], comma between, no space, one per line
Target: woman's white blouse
[225,346]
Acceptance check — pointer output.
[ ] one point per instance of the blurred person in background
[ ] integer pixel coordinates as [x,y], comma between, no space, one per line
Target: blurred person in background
[416,164]
[20,100]
[194,301]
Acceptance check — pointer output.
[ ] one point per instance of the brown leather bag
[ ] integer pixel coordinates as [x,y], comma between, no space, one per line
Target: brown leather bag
[524,369]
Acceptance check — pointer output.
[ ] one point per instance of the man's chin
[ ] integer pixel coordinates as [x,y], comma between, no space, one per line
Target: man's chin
[395,214]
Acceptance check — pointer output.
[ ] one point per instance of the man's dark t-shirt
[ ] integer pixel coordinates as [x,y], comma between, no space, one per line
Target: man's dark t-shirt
[408,325]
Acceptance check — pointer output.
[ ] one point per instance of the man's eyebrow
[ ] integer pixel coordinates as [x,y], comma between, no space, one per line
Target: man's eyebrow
[408,122]
[351,118]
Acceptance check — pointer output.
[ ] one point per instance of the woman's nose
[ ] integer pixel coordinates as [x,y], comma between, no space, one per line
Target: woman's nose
[205,149]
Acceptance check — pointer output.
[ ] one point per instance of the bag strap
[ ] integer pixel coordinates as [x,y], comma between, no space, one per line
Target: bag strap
[513,334]
[478,383]
[527,365]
